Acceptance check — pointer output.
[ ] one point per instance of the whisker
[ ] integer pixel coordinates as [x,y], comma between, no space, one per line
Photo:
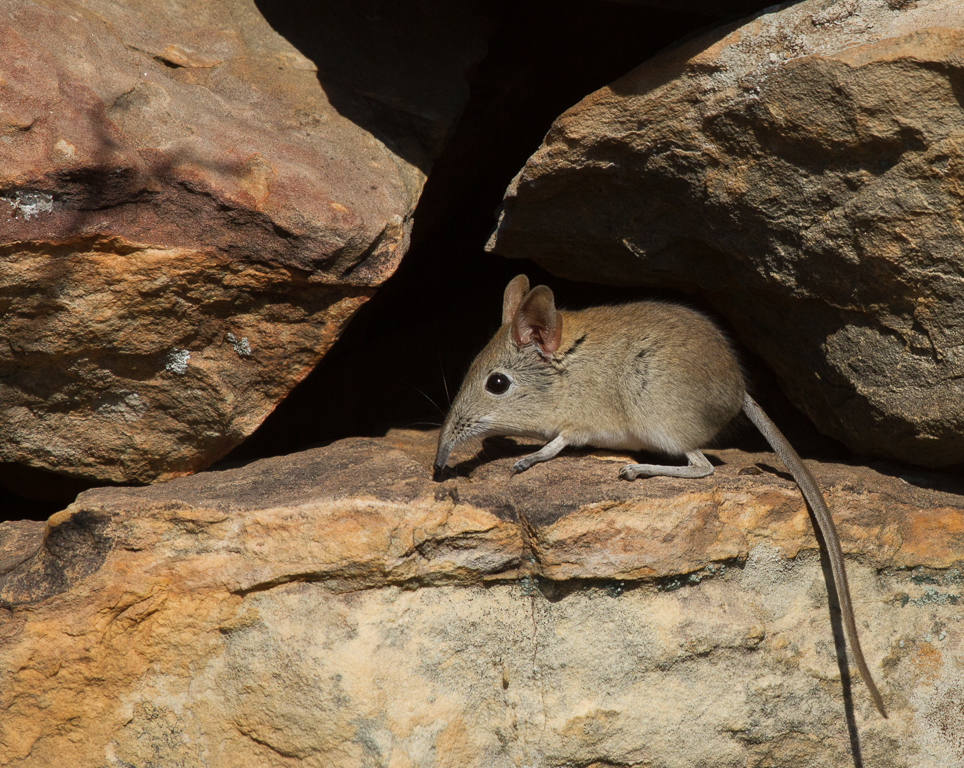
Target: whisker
[445,383]
[423,394]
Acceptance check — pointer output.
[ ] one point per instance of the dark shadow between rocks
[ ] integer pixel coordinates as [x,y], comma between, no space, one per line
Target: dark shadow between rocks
[948,480]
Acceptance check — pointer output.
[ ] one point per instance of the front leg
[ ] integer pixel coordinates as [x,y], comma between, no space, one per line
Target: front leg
[548,451]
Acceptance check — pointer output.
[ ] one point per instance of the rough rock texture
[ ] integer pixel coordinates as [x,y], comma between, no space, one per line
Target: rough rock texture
[337,608]
[804,171]
[190,211]
[713,8]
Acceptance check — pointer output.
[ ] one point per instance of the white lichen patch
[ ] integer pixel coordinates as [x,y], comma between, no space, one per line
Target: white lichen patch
[177,360]
[28,204]
[241,346]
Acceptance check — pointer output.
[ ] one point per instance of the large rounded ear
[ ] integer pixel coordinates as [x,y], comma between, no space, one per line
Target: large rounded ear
[538,320]
[514,291]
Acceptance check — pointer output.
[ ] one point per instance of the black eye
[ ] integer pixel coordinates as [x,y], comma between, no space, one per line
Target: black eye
[497,383]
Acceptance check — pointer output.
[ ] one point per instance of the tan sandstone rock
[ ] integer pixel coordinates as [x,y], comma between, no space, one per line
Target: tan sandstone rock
[337,608]
[190,212]
[803,170]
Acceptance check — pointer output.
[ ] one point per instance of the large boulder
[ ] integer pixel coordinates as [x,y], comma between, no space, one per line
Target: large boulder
[191,210]
[337,608]
[803,170]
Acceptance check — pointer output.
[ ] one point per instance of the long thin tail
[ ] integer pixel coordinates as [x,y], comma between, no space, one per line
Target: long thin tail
[813,496]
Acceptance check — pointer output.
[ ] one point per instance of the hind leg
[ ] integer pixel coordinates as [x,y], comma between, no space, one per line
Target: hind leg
[699,466]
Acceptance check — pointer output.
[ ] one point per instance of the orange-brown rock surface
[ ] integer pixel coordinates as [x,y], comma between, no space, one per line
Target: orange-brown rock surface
[337,608]
[802,169]
[191,210]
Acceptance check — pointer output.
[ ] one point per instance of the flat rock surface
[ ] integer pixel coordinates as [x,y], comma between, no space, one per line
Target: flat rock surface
[337,607]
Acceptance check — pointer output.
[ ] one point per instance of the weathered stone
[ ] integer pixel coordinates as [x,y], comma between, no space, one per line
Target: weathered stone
[802,170]
[337,608]
[190,212]
[713,8]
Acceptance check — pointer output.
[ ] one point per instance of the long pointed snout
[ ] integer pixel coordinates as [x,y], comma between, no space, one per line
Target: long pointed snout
[445,446]
[438,470]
